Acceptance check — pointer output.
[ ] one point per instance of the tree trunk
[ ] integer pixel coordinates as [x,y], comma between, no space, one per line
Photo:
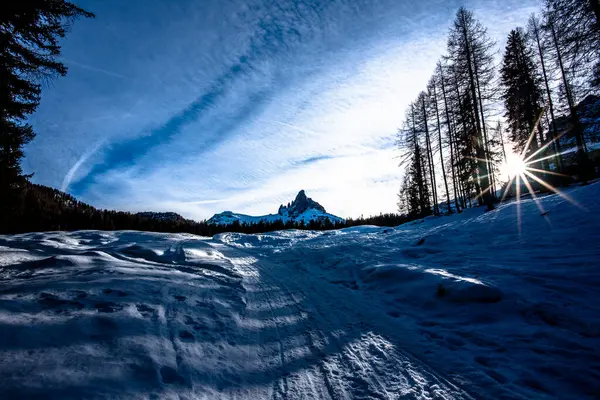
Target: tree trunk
[439,128]
[502,143]
[555,137]
[490,167]
[581,154]
[479,147]
[450,139]
[436,210]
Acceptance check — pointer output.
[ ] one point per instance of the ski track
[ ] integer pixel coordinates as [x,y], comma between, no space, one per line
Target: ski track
[123,318]
[340,342]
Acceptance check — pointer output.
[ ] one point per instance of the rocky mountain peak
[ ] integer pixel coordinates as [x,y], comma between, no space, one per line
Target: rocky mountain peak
[303,208]
[300,204]
[301,196]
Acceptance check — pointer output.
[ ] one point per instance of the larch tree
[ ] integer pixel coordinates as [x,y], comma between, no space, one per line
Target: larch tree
[535,35]
[469,49]
[578,22]
[569,91]
[435,101]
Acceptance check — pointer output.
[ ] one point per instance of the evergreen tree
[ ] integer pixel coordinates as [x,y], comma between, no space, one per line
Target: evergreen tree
[29,34]
[416,189]
[522,92]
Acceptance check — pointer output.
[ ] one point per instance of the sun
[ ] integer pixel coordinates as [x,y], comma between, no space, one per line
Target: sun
[514,166]
[521,170]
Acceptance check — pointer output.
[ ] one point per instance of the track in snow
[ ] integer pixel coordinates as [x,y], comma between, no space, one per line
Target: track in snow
[128,314]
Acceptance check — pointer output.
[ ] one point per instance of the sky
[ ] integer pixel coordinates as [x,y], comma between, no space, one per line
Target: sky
[202,106]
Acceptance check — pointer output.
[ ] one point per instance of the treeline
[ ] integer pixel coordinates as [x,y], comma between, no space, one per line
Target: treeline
[452,140]
[48,209]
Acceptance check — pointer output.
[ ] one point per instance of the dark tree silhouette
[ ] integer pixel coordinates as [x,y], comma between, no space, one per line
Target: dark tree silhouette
[470,50]
[535,35]
[29,34]
[578,22]
[522,92]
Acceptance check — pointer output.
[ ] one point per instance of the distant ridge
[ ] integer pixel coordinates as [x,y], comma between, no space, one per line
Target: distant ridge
[302,209]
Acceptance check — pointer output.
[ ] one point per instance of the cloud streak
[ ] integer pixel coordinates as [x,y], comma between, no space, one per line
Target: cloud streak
[95,69]
[84,157]
[200,106]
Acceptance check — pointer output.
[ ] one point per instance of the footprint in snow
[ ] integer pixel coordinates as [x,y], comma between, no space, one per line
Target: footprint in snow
[108,306]
[119,293]
[186,336]
[170,375]
[52,301]
[145,310]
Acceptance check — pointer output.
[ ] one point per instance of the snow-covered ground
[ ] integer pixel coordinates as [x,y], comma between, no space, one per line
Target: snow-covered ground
[467,306]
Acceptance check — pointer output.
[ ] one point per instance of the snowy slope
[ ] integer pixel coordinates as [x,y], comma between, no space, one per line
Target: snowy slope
[302,209]
[140,315]
[517,316]
[424,311]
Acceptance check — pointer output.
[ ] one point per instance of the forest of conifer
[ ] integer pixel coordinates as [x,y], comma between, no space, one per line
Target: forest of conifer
[540,102]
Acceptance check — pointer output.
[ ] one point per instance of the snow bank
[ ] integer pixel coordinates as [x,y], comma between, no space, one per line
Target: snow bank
[507,300]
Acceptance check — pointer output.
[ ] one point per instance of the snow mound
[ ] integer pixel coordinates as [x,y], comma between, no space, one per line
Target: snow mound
[418,285]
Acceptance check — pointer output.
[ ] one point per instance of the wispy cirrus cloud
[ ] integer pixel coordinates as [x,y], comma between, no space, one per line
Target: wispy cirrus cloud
[202,106]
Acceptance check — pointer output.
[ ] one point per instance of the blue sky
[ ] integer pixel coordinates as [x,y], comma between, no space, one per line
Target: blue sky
[200,106]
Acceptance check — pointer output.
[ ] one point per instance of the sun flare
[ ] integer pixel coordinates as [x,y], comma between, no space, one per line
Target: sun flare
[521,170]
[514,166]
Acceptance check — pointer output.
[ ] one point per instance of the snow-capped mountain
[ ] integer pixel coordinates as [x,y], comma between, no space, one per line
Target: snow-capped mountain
[301,209]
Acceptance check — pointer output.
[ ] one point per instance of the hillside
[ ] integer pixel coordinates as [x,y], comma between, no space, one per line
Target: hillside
[48,209]
[45,209]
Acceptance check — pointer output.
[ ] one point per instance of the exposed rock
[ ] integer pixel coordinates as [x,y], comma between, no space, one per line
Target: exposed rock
[300,205]
[302,208]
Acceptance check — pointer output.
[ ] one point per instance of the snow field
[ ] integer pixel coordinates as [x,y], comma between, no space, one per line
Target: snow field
[466,306]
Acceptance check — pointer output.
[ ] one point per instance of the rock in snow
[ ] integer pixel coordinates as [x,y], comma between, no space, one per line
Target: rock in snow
[301,209]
